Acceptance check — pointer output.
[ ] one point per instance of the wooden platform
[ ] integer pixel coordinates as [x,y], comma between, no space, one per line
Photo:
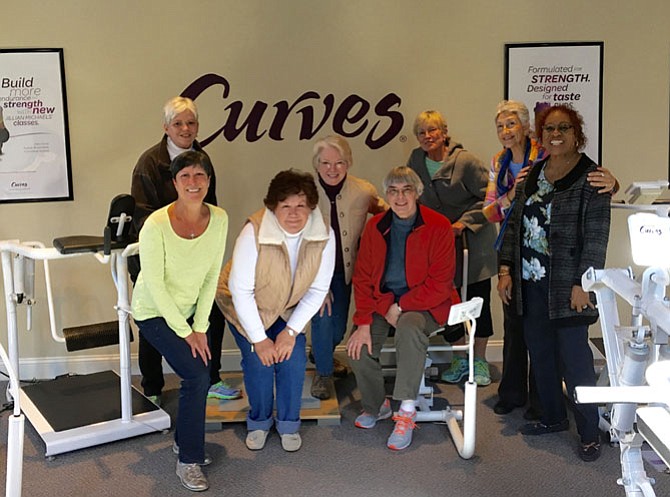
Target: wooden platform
[325,412]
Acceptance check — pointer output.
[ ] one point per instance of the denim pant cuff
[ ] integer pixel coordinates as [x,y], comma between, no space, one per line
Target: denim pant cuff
[264,425]
[287,427]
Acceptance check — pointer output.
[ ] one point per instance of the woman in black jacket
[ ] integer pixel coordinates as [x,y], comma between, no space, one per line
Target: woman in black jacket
[559,227]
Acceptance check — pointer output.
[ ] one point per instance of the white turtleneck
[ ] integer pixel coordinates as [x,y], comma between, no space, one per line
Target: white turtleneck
[174,150]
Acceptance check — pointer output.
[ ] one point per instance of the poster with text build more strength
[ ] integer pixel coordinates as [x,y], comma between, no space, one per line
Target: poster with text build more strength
[550,74]
[34,144]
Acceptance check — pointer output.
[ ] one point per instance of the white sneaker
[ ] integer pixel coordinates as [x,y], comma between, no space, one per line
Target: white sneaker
[256,439]
[291,442]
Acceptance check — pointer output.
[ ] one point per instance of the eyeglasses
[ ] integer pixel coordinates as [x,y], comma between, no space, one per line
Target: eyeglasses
[563,128]
[340,164]
[406,191]
[428,132]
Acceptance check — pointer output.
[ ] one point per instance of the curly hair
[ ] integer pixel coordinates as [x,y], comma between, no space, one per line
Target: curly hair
[291,182]
[575,118]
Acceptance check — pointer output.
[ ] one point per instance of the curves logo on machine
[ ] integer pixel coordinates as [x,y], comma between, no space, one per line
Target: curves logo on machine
[651,230]
[353,116]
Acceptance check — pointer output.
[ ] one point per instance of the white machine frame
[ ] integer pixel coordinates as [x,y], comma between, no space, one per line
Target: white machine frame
[464,440]
[466,312]
[638,364]
[18,261]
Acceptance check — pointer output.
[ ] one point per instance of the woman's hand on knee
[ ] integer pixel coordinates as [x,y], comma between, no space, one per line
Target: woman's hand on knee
[266,352]
[357,340]
[199,346]
[284,345]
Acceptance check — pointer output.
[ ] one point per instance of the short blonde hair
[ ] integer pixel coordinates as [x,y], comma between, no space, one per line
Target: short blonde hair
[337,142]
[430,117]
[403,174]
[177,105]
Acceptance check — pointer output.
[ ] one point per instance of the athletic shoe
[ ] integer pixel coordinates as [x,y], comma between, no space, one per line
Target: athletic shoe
[536,429]
[256,439]
[191,477]
[206,462]
[457,371]
[223,391]
[402,433]
[291,442]
[367,420]
[156,399]
[482,376]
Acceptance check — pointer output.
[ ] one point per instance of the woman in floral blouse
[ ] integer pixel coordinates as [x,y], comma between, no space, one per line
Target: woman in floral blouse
[558,228]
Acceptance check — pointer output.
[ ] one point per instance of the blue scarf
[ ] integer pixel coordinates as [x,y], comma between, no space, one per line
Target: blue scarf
[502,186]
[502,189]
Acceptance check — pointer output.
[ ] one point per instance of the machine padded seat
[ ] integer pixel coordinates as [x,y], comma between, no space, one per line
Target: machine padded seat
[116,232]
[83,243]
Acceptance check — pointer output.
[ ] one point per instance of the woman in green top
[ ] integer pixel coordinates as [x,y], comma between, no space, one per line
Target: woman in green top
[181,251]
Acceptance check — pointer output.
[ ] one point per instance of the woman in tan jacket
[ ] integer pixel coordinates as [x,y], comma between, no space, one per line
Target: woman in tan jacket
[345,201]
[275,282]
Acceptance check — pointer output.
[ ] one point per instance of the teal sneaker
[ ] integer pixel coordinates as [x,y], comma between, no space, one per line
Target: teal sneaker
[223,391]
[482,374]
[457,371]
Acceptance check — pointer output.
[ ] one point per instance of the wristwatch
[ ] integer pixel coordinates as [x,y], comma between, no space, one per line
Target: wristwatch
[292,332]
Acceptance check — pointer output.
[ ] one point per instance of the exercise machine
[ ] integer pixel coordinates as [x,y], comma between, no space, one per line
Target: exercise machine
[637,355]
[465,313]
[74,412]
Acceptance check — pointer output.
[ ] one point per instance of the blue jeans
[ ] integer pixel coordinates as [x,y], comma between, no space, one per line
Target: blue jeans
[259,382]
[558,353]
[194,373]
[328,331]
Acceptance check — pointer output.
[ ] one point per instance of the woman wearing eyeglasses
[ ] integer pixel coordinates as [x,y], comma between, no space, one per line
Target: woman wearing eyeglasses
[557,229]
[345,202]
[508,168]
[454,183]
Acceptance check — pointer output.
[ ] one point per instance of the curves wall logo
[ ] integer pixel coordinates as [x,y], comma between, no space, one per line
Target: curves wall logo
[353,116]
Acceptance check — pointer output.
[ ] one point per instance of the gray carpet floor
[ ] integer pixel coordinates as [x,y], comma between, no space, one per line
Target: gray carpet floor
[336,460]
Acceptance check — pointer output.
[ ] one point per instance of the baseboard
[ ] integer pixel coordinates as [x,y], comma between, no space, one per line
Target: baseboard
[50,367]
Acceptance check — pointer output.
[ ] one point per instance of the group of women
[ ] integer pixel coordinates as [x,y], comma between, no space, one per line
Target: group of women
[293,261]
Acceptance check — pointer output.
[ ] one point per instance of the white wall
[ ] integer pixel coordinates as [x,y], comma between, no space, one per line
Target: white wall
[124,59]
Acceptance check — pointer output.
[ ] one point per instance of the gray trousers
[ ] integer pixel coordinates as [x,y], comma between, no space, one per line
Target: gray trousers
[411,343]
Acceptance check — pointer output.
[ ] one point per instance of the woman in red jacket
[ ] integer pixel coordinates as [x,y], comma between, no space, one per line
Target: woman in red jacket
[403,279]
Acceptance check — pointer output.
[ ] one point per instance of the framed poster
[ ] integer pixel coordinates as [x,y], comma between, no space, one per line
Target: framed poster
[545,74]
[34,141]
